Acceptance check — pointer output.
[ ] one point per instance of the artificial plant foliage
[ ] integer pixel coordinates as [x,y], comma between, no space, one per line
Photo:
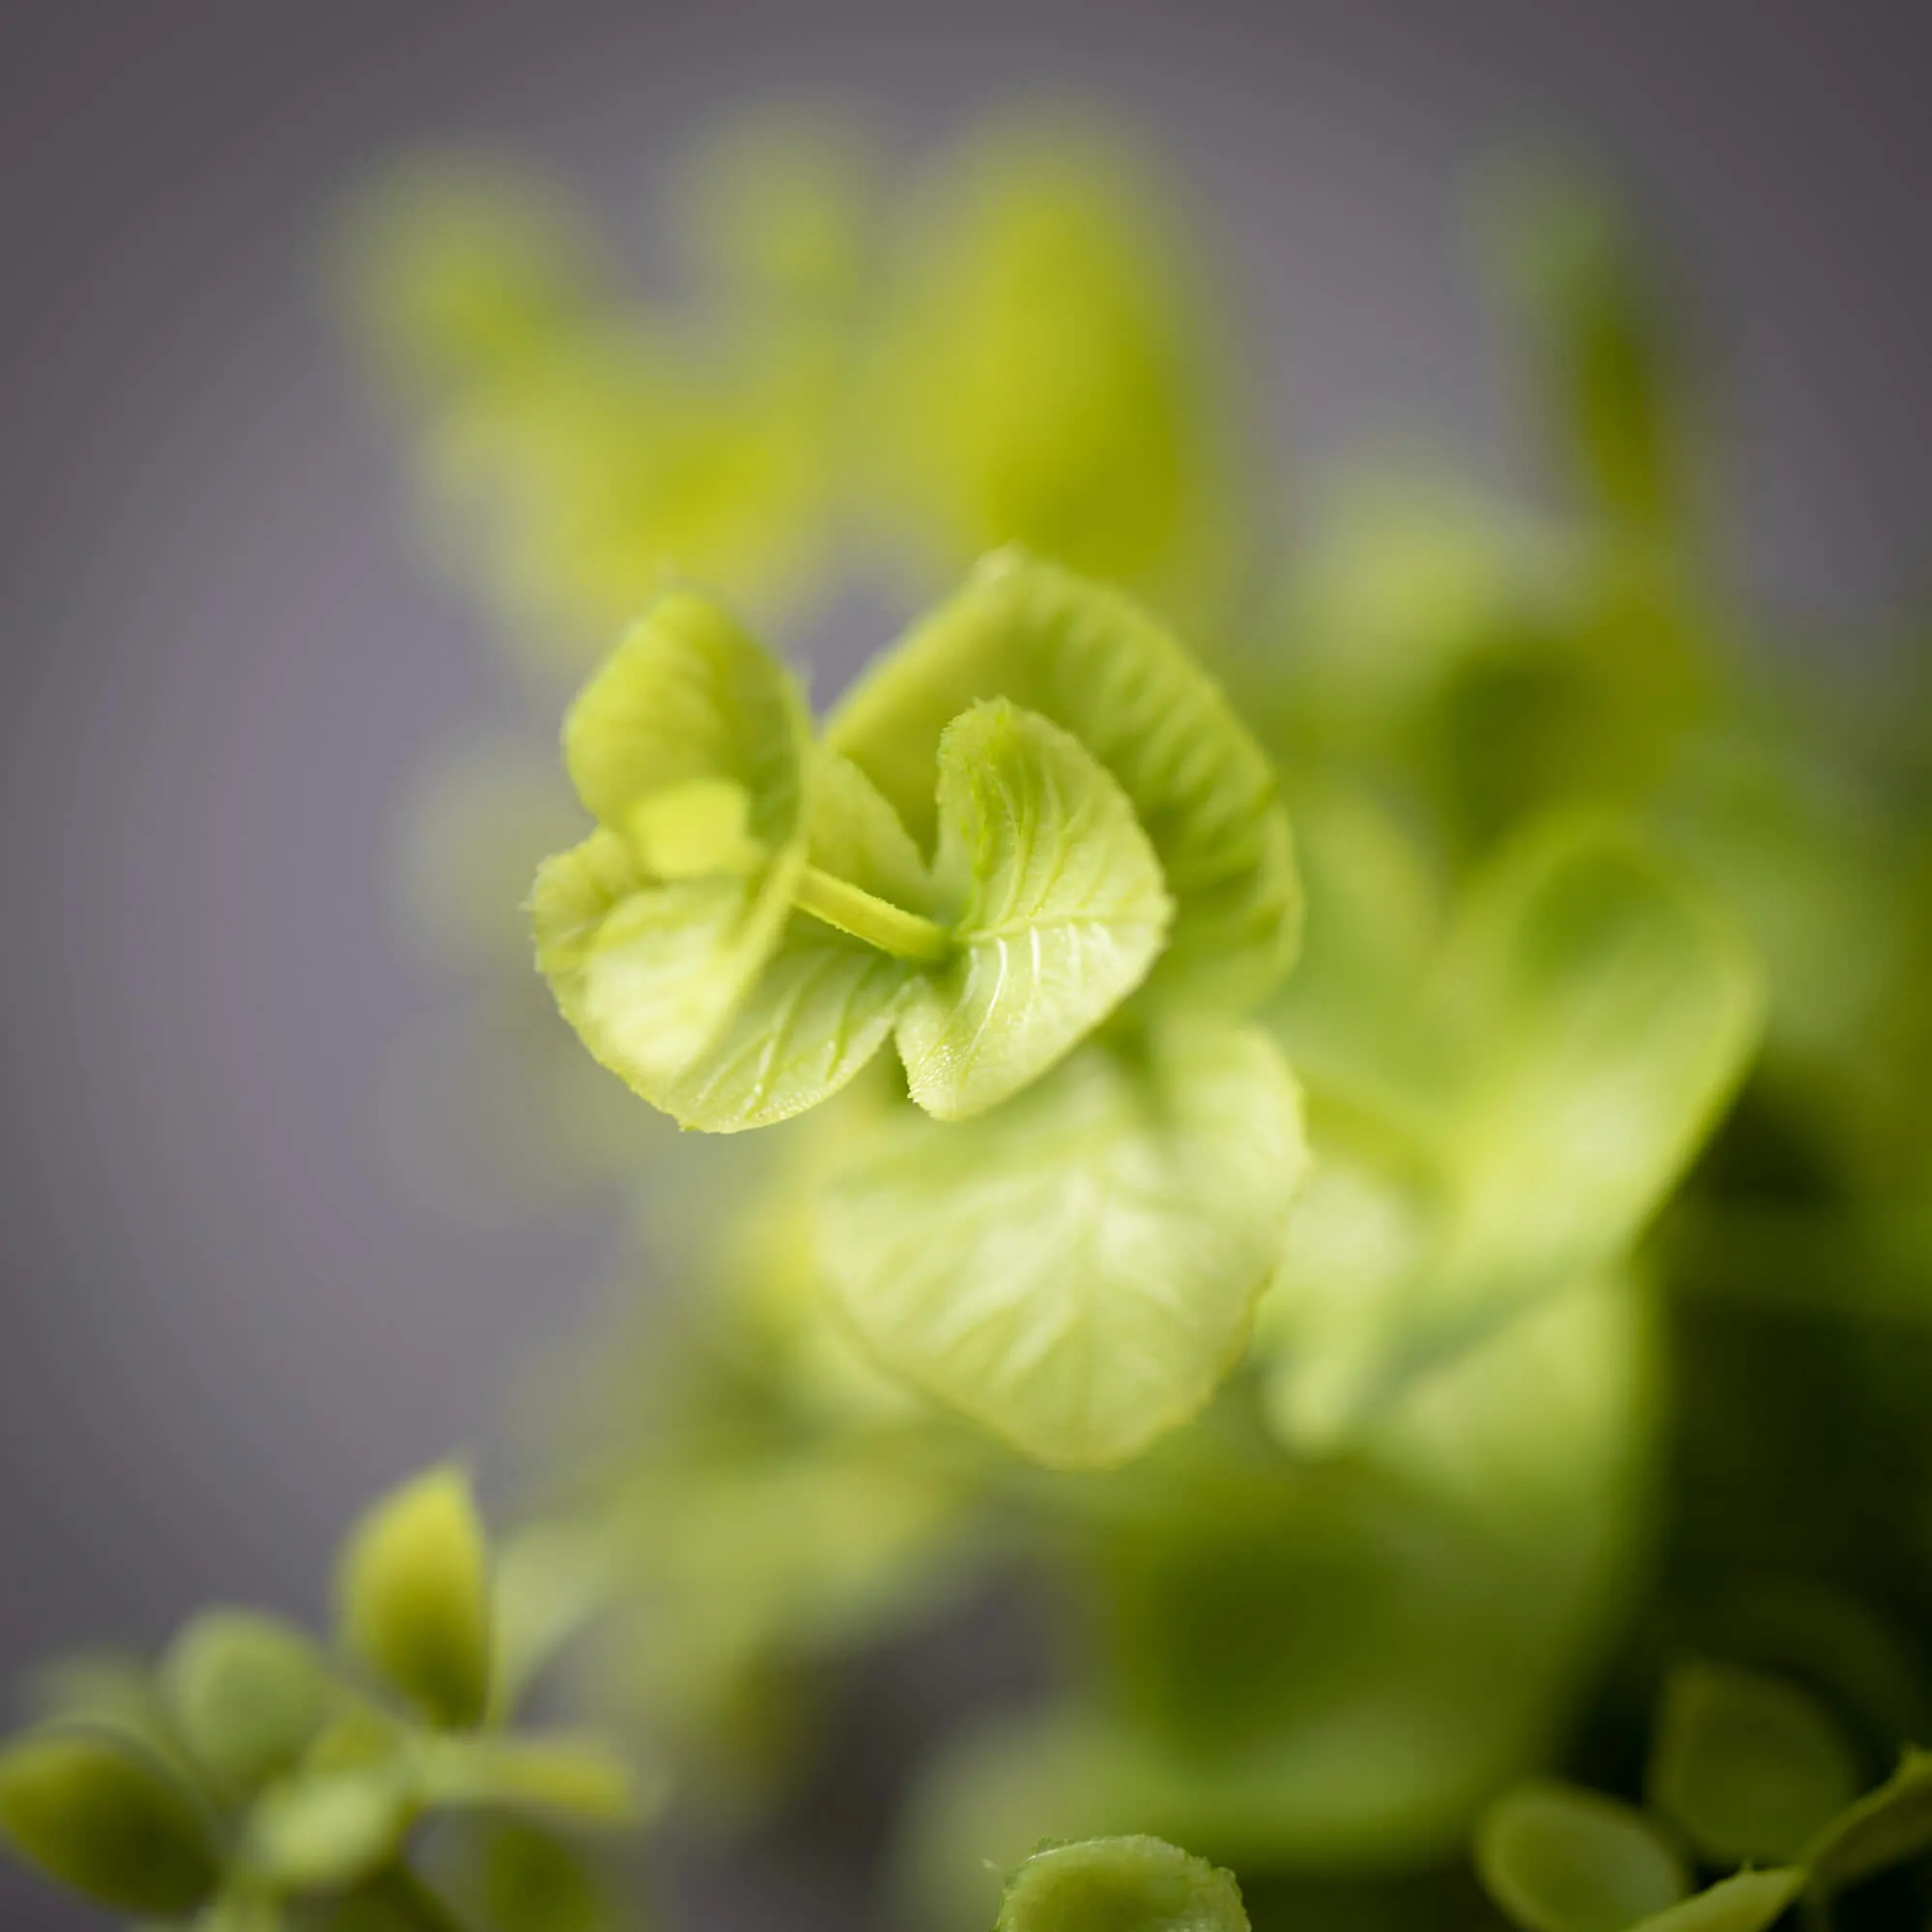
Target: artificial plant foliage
[1089,659]
[255,1781]
[1119,1884]
[1077,1271]
[751,920]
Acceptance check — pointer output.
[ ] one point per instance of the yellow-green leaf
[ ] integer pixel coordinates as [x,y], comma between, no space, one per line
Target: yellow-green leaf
[414,1596]
[1056,906]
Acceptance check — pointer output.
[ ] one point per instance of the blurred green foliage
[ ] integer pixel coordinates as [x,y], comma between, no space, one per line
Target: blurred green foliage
[1456,1408]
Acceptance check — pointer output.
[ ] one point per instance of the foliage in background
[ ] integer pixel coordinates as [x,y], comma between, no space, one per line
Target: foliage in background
[1387,1377]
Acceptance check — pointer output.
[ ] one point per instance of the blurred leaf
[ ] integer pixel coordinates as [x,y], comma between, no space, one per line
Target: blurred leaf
[1748,1901]
[1061,909]
[1557,1858]
[415,1593]
[1091,662]
[1044,377]
[1601,1016]
[91,1814]
[1750,1767]
[322,1830]
[1077,1271]
[532,1882]
[1883,1828]
[247,1690]
[1119,1884]
[580,1778]
[1590,289]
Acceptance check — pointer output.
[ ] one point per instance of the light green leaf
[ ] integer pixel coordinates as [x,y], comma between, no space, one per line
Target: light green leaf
[93,1814]
[248,1691]
[1607,1016]
[825,1002]
[1560,1860]
[1059,910]
[1750,1768]
[1077,1270]
[1883,1828]
[688,699]
[689,747]
[1748,1901]
[577,1778]
[1597,1016]
[322,1829]
[414,1593]
[1092,661]
[1121,1885]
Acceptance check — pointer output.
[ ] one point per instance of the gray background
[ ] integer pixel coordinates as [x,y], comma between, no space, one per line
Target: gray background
[223,1323]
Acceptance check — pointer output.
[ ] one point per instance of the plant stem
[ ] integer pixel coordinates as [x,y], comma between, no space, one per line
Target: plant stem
[906,935]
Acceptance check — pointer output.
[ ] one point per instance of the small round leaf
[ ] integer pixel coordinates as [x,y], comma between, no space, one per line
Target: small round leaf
[1560,1860]
[1750,1767]
[247,1692]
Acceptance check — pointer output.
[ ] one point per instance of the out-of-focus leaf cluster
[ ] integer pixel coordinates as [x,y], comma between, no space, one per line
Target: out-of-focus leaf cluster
[1600,1329]
[254,1780]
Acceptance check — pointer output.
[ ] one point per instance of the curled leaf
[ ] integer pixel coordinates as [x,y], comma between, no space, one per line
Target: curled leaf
[689,748]
[1061,909]
[1090,661]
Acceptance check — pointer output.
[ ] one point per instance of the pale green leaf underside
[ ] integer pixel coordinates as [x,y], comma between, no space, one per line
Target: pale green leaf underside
[1061,909]
[1077,1271]
[1121,1885]
[688,698]
[650,971]
[1750,1768]
[689,745]
[1092,661]
[1561,1860]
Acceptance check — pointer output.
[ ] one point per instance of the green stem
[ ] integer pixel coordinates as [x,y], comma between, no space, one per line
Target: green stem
[890,929]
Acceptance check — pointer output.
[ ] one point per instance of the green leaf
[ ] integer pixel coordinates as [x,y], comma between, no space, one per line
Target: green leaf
[1883,1828]
[1121,1885]
[1594,300]
[576,1778]
[248,1691]
[1092,661]
[532,1882]
[1077,1270]
[1748,1901]
[689,748]
[1059,910]
[243,1909]
[94,1815]
[1560,1860]
[825,1002]
[415,1593]
[1600,1017]
[1750,1768]
[322,1829]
